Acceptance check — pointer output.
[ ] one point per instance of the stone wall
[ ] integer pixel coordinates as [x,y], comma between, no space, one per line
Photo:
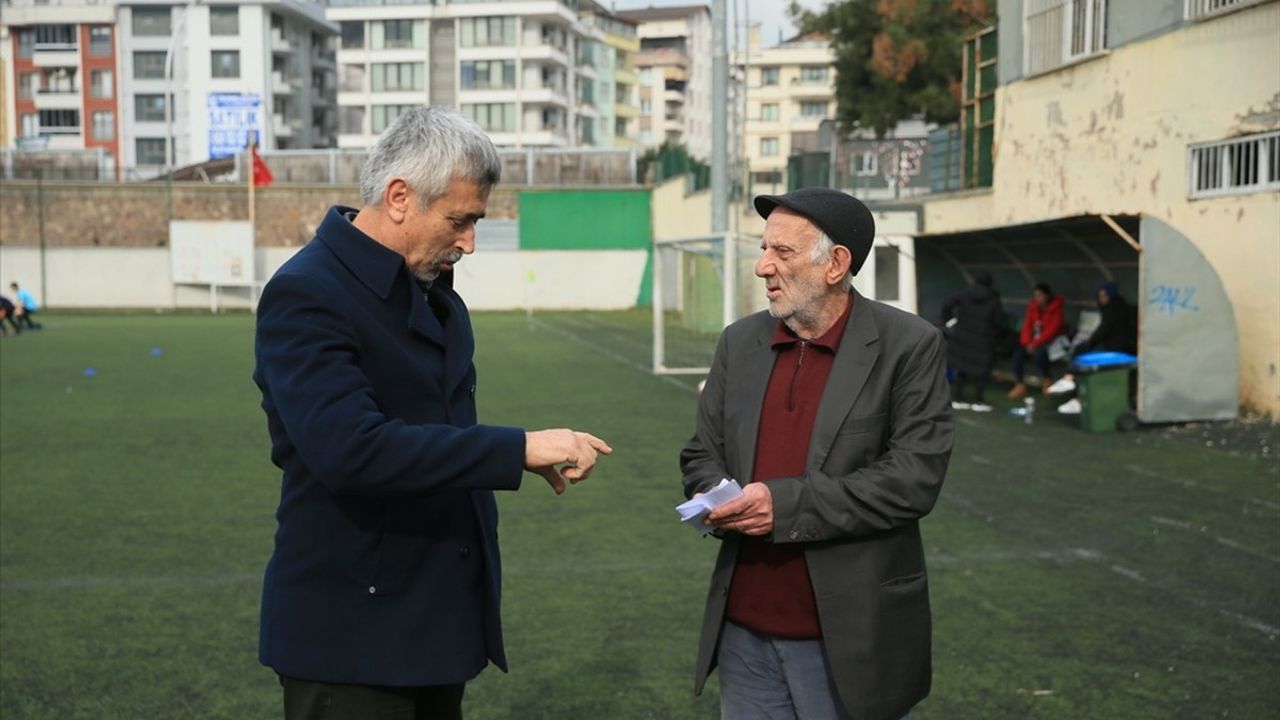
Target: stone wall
[137,214]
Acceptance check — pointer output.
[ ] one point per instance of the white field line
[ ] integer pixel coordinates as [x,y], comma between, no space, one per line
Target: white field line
[1223,541]
[1182,482]
[604,352]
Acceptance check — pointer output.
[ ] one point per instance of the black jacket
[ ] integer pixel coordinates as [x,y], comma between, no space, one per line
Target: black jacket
[1118,330]
[971,341]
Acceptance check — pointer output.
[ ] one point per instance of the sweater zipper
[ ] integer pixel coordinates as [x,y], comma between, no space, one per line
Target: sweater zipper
[791,392]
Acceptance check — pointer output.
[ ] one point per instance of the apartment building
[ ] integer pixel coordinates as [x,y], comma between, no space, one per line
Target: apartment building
[790,90]
[124,76]
[674,76]
[1137,142]
[616,98]
[60,85]
[532,73]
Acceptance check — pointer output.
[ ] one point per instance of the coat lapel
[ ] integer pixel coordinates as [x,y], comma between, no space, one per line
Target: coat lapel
[859,349]
[755,380]
[421,320]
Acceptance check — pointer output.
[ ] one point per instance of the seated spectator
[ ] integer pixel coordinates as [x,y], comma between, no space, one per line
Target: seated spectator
[973,319]
[1117,332]
[8,312]
[26,307]
[1041,326]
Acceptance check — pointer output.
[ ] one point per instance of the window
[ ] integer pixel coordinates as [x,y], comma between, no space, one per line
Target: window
[224,20]
[489,75]
[53,37]
[886,273]
[152,21]
[101,85]
[26,43]
[768,76]
[398,34]
[1206,8]
[813,109]
[978,110]
[646,106]
[865,164]
[487,32]
[768,177]
[148,108]
[384,115]
[104,125]
[148,65]
[65,122]
[59,80]
[1060,31]
[493,117]
[352,34]
[1236,166]
[28,85]
[149,151]
[398,76]
[352,78]
[225,63]
[768,146]
[351,120]
[622,94]
[769,112]
[30,125]
[100,40]
[813,74]
[620,127]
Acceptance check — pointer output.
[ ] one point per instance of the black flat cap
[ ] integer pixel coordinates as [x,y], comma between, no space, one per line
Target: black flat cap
[841,216]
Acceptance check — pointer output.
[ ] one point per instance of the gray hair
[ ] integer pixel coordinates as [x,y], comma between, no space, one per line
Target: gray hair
[429,147]
[823,245]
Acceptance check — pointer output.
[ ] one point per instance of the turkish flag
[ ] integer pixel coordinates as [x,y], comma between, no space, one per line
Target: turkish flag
[261,173]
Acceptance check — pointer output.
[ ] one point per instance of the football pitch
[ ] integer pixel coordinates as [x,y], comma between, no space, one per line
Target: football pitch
[1072,576]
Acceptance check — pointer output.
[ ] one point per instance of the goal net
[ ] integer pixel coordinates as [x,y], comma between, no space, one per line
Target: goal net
[700,285]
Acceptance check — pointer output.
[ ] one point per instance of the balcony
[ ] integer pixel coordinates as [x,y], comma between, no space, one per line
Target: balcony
[279,85]
[674,97]
[59,130]
[545,52]
[55,58]
[283,127]
[546,96]
[58,99]
[279,43]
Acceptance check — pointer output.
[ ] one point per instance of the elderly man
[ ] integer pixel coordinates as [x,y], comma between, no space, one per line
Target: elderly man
[833,411]
[382,596]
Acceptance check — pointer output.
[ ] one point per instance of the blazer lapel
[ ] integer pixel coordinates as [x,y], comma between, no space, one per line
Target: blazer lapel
[755,380]
[421,319]
[859,349]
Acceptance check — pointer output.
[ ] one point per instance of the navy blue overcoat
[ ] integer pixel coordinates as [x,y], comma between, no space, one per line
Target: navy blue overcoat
[386,568]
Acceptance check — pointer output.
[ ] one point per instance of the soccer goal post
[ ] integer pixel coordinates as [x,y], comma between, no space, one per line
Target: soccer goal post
[700,285]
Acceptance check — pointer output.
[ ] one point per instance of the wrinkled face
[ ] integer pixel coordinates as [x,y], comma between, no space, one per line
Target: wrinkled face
[441,234]
[795,285]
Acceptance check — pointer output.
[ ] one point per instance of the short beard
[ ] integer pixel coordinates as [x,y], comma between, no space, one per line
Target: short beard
[432,270]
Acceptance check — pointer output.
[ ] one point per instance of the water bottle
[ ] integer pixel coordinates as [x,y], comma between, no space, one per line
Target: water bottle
[1029,412]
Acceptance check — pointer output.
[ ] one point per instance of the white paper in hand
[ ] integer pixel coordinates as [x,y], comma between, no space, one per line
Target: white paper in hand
[694,512]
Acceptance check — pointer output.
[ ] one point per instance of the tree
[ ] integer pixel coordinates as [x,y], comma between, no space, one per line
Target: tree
[895,59]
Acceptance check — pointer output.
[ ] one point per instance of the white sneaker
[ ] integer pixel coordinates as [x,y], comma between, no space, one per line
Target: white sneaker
[1070,407]
[960,405]
[1063,386]
[981,407]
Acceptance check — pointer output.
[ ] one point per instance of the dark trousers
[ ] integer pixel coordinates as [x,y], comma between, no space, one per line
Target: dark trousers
[307,700]
[1041,355]
[25,319]
[979,383]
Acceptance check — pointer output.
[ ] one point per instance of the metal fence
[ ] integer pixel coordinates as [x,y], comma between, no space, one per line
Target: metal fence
[547,167]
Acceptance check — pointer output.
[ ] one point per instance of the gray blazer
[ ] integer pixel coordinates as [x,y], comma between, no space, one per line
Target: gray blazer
[879,450]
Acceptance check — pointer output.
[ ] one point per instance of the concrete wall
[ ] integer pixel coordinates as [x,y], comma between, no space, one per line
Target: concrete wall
[89,277]
[1111,135]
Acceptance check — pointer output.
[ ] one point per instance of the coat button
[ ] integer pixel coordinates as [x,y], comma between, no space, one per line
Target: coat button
[473,389]
[464,551]
[372,590]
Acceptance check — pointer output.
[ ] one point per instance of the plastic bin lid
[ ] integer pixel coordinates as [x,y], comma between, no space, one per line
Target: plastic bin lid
[1102,360]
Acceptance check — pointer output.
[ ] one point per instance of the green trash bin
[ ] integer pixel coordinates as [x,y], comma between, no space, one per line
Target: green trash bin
[1102,380]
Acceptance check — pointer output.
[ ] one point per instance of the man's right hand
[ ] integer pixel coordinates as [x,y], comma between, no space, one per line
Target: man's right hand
[562,454]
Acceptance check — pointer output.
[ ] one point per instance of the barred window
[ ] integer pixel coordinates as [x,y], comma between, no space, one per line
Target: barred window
[1235,167]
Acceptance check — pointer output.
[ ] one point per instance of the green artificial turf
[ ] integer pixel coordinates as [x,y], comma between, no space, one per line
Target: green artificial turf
[1072,575]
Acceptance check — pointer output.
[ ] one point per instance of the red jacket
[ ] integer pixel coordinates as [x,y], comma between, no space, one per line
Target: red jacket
[1041,326]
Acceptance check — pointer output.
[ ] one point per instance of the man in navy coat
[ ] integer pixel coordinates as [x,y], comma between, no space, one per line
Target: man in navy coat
[382,596]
